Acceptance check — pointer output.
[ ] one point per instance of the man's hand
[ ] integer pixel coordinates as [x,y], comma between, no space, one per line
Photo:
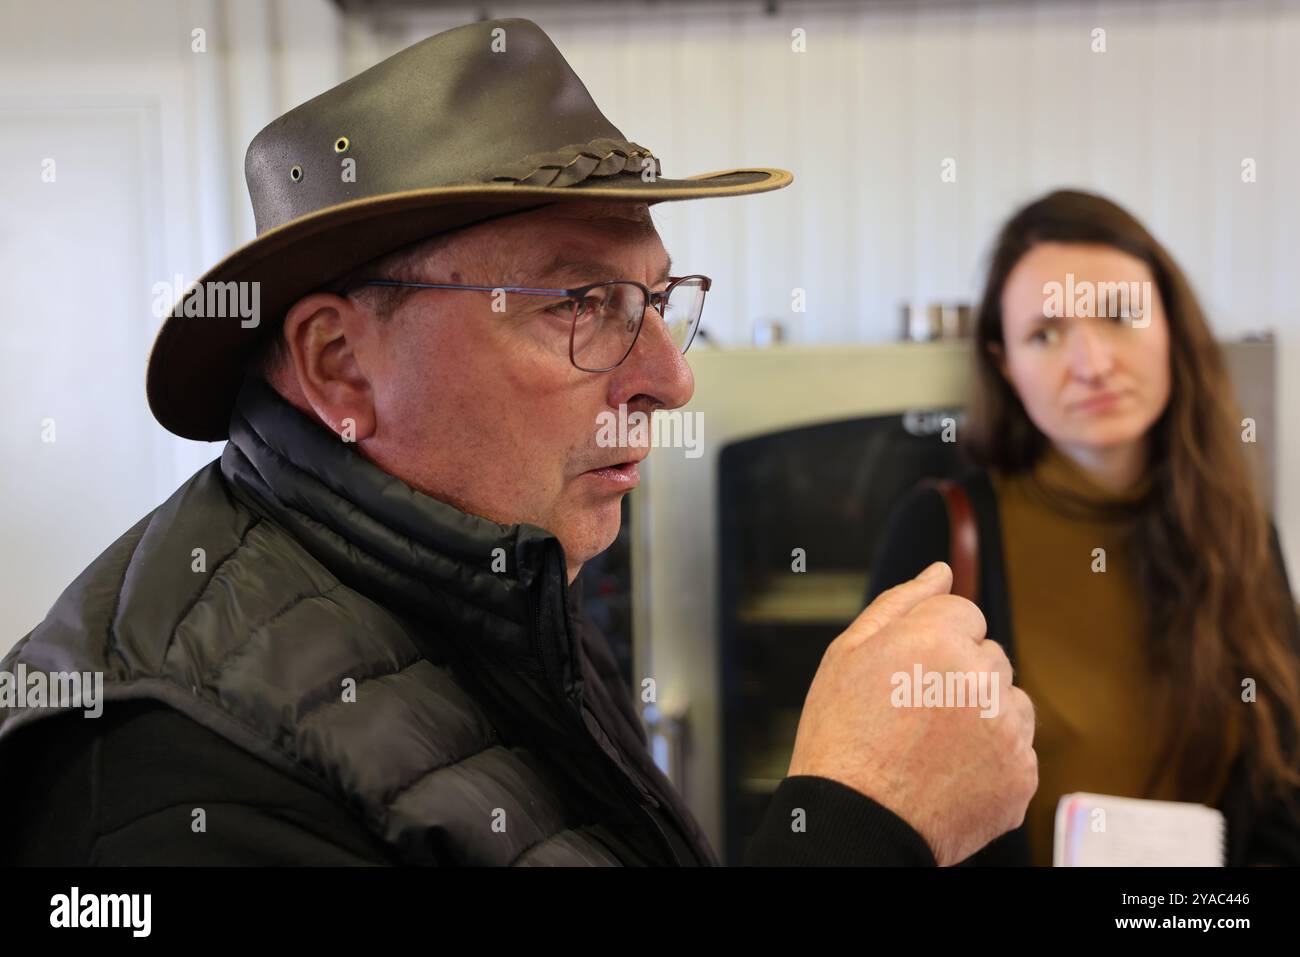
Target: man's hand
[959,779]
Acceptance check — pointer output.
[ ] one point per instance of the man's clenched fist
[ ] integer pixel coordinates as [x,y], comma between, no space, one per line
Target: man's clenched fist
[958,778]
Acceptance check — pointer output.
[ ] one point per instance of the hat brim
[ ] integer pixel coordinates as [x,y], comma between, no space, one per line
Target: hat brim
[197,363]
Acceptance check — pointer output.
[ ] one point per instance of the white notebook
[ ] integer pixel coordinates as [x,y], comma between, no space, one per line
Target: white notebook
[1101,830]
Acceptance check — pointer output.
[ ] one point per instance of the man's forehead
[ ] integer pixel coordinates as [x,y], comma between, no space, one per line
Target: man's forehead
[586,243]
[566,267]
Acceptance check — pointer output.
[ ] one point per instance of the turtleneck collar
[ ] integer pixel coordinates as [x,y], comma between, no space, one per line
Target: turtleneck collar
[1066,485]
[378,535]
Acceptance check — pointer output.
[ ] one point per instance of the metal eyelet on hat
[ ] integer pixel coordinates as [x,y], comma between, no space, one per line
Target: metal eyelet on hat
[295,174]
[341,144]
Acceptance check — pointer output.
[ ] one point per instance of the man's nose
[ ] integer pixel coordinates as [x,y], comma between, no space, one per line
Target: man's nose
[655,367]
[1091,354]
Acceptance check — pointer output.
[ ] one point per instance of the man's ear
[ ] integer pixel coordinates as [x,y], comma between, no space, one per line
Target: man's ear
[324,334]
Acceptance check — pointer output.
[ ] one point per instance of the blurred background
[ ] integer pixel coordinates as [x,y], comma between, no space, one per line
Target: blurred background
[145,108]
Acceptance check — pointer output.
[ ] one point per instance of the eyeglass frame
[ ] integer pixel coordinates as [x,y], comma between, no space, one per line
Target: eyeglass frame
[657,299]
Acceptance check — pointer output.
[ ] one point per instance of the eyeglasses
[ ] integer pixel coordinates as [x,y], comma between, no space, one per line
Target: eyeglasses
[607,316]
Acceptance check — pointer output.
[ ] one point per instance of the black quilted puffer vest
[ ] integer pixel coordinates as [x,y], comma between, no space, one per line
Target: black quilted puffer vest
[489,726]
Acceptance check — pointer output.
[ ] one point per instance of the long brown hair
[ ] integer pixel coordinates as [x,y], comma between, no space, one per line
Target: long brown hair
[1219,612]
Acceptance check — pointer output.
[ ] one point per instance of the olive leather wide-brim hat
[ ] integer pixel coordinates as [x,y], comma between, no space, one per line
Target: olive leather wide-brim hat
[474,123]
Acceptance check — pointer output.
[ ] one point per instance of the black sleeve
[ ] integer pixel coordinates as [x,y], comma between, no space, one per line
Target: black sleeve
[122,789]
[1275,834]
[837,826]
[915,537]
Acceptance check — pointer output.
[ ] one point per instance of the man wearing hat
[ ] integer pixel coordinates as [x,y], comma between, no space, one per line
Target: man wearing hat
[353,637]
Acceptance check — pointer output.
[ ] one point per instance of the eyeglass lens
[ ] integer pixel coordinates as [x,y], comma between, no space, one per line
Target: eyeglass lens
[608,317]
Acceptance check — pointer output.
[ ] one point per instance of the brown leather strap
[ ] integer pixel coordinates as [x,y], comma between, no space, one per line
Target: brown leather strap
[573,164]
[963,538]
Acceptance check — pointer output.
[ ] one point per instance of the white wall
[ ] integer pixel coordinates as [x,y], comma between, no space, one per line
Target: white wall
[149,139]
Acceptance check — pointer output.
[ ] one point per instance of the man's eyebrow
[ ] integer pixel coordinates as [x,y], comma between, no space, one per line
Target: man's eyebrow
[563,270]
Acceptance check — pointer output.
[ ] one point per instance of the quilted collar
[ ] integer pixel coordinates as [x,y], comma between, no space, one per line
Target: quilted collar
[400,547]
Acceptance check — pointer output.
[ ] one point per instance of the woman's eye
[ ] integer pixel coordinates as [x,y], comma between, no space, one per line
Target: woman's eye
[1046,336]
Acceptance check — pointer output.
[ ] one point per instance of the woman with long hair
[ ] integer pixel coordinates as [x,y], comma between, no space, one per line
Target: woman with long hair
[1125,559]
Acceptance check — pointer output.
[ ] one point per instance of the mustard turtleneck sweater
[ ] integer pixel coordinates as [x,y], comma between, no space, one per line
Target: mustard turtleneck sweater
[1079,636]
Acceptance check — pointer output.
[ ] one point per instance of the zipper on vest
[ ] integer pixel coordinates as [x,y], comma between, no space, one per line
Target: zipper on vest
[630,785]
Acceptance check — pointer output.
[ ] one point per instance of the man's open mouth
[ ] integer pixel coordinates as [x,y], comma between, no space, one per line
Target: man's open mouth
[624,474]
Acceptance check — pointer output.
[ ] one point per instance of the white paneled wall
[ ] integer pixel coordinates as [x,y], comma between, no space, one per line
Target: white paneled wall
[884,93]
[147,135]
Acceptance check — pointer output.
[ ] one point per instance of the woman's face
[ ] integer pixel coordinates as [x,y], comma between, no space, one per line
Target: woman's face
[1089,377]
